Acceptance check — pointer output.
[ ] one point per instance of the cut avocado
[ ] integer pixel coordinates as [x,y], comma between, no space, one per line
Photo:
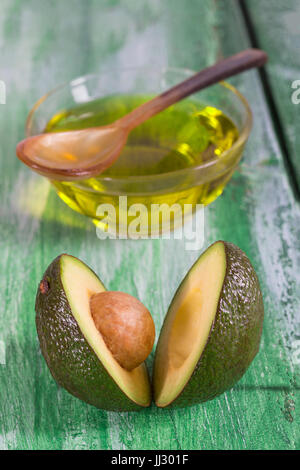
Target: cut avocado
[73,348]
[212,330]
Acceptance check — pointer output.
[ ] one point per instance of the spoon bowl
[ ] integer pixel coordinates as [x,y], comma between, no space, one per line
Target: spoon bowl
[66,155]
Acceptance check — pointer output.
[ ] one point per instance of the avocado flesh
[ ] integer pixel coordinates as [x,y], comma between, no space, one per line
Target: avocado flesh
[74,349]
[212,329]
[188,324]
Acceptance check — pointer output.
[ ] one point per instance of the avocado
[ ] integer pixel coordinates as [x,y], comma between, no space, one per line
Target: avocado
[212,329]
[73,348]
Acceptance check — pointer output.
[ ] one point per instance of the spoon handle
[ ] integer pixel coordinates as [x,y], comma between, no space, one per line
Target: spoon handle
[223,69]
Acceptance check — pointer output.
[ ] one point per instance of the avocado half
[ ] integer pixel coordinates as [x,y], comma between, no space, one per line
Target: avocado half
[212,330]
[72,346]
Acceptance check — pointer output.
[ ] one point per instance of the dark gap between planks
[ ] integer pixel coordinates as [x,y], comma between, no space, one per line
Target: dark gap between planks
[271,103]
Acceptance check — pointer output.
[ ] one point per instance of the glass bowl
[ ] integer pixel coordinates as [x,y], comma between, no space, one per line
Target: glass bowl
[148,202]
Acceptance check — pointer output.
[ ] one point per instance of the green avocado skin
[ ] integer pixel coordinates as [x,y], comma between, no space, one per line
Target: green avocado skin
[235,334]
[71,360]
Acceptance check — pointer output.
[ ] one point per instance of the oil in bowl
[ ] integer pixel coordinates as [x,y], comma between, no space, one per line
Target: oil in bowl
[173,163]
[184,136]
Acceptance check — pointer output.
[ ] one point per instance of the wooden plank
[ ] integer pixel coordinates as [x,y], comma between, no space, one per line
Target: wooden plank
[277,30]
[45,45]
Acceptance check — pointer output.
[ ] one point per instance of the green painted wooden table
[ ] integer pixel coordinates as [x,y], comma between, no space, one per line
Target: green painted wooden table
[46,43]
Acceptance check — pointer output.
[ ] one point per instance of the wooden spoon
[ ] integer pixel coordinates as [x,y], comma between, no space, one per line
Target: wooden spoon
[84,153]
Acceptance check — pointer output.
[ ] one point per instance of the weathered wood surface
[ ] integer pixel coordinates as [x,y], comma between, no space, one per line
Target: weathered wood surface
[277,30]
[45,43]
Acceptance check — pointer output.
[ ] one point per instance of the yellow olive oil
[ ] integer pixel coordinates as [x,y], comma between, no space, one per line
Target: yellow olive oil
[156,166]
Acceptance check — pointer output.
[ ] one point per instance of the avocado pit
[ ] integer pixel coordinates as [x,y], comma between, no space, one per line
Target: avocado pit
[126,326]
